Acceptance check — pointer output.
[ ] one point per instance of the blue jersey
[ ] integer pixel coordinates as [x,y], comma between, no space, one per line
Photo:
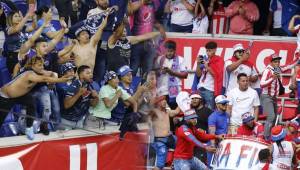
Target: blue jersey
[288,8]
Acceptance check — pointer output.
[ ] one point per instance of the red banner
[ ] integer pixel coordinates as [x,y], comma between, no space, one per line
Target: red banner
[103,152]
[261,49]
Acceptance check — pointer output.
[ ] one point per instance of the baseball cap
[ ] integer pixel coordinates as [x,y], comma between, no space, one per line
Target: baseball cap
[190,114]
[247,117]
[124,70]
[221,99]
[237,47]
[109,76]
[274,57]
[278,133]
[66,67]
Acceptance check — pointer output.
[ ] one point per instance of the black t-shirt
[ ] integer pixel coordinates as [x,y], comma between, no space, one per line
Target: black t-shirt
[202,120]
[119,55]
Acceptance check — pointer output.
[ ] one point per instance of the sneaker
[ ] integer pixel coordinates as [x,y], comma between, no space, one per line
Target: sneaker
[29,133]
[44,128]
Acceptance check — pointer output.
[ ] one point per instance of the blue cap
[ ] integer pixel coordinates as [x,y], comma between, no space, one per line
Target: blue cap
[66,67]
[124,70]
[109,75]
[247,117]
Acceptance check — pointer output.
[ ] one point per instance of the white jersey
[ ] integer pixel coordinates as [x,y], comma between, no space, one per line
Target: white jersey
[283,159]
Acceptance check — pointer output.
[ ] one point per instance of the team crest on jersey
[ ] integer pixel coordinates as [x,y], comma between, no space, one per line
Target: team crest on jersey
[187,133]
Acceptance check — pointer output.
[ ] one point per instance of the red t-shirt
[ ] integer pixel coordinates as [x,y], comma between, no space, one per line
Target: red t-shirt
[187,139]
[257,131]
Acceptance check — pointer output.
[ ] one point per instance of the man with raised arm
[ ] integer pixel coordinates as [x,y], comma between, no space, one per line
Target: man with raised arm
[86,47]
[18,90]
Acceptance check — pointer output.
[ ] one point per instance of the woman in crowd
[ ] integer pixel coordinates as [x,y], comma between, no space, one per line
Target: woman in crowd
[15,36]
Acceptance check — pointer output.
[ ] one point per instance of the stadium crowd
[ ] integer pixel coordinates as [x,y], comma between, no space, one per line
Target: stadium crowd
[110,63]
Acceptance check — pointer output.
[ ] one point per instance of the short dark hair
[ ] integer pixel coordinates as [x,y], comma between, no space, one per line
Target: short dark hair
[241,75]
[211,45]
[39,40]
[264,154]
[82,68]
[170,45]
[41,10]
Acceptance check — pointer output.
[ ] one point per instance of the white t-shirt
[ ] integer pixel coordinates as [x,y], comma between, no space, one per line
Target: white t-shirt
[163,79]
[180,14]
[283,160]
[206,81]
[242,102]
[231,82]
[277,14]
[259,166]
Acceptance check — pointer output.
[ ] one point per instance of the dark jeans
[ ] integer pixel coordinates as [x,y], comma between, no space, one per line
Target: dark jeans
[179,28]
[142,56]
[7,103]
[100,64]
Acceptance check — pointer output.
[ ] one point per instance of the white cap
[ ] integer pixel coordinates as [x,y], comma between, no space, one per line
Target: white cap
[221,99]
[195,96]
[238,47]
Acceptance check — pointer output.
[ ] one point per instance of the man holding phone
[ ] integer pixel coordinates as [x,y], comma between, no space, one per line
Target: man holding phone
[270,84]
[239,63]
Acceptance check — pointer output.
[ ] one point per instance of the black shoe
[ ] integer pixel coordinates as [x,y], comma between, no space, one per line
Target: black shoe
[44,128]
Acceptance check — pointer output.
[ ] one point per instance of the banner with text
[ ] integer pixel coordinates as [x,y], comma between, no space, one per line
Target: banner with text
[84,153]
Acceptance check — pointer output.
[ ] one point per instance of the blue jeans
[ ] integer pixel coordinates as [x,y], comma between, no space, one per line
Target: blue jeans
[143,55]
[179,28]
[209,97]
[49,104]
[161,151]
[190,164]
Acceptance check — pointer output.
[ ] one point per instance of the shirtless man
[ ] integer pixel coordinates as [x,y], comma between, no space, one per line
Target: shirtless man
[161,129]
[86,47]
[18,90]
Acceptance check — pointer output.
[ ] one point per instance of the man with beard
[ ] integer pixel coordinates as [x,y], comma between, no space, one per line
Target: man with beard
[250,127]
[79,97]
[203,113]
[218,121]
[188,136]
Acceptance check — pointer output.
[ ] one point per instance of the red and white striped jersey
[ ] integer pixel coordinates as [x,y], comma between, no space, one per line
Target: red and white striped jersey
[270,85]
[219,22]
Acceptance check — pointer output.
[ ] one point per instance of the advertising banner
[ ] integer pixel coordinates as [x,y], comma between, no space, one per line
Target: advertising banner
[102,152]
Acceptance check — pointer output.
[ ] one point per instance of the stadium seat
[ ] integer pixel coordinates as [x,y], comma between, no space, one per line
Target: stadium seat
[290,110]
